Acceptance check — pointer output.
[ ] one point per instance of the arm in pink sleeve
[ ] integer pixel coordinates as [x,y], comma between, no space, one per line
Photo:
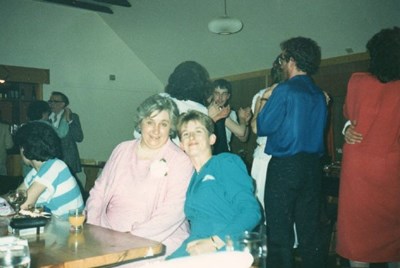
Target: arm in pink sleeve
[100,194]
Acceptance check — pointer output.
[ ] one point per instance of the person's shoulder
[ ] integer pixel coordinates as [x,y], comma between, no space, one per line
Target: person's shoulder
[230,164]
[52,167]
[259,93]
[227,157]
[281,90]
[362,76]
[125,145]
[285,85]
[56,163]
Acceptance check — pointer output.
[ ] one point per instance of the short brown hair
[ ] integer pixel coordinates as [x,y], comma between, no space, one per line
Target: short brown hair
[193,115]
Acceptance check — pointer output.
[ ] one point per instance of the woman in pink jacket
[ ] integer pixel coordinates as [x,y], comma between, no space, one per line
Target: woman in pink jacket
[142,187]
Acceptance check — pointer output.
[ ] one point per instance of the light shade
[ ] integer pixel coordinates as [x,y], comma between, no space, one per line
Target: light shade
[225,25]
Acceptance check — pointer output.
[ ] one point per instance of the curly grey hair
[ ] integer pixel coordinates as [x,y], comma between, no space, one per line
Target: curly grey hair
[157,103]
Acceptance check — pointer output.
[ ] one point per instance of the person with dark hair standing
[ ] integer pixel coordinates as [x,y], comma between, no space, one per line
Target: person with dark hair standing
[189,85]
[49,183]
[40,110]
[260,158]
[59,107]
[294,118]
[369,196]
[224,127]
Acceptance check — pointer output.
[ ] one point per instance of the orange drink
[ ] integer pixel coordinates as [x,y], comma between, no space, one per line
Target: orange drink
[76,218]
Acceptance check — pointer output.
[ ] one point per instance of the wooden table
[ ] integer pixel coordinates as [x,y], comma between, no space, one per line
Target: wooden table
[94,246]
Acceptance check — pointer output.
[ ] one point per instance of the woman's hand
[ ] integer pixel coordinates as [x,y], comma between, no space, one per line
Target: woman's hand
[201,246]
[206,245]
[351,136]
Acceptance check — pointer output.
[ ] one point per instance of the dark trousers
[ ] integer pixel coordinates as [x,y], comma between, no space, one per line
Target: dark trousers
[292,195]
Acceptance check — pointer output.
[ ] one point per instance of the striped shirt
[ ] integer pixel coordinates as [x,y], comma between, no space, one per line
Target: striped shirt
[62,191]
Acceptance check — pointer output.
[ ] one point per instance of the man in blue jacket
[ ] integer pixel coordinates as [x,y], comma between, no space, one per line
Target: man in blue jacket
[294,120]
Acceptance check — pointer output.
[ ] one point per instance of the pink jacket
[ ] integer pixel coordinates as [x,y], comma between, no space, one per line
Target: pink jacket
[162,218]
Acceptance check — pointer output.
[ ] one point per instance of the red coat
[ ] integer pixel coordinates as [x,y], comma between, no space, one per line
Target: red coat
[369,197]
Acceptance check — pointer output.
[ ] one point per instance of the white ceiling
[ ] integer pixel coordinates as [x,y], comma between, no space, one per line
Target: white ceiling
[163,33]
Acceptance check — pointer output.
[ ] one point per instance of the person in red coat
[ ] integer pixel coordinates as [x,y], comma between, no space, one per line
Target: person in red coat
[369,197]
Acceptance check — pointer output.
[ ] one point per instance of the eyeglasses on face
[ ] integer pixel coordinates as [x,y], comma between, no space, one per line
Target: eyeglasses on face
[282,59]
[54,101]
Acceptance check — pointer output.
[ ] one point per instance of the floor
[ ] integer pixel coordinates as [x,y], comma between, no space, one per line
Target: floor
[332,262]
[335,261]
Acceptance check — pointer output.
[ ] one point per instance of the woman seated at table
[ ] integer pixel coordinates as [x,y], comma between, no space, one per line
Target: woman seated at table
[220,199]
[142,187]
[49,183]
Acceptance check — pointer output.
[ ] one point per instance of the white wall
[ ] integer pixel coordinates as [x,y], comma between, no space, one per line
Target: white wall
[176,30]
[81,52]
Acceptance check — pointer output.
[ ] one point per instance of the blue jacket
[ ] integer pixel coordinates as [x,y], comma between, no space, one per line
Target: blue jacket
[294,118]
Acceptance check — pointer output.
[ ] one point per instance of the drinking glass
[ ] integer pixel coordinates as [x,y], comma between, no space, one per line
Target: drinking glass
[17,198]
[252,242]
[76,218]
[14,252]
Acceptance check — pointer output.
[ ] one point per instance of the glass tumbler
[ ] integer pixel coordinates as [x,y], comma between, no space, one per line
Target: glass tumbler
[76,218]
[252,242]
[14,252]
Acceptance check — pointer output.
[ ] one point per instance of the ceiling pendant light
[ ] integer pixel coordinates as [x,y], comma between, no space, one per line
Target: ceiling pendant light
[225,25]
